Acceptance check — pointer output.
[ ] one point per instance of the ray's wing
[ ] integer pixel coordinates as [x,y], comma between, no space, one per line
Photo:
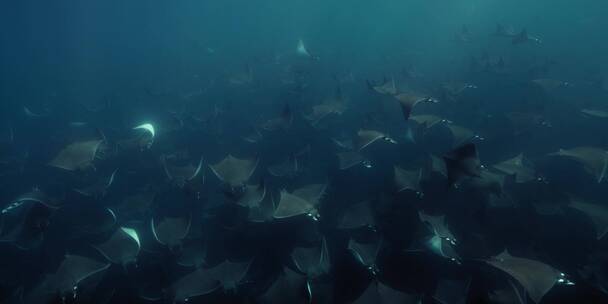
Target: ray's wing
[312,261]
[291,205]
[73,270]
[252,196]
[365,253]
[452,291]
[230,274]
[312,193]
[379,293]
[286,168]
[170,231]
[407,179]
[233,171]
[535,277]
[195,284]
[122,247]
[367,137]
[349,159]
[595,160]
[462,161]
[193,253]
[289,287]
[510,294]
[598,214]
[76,156]
[185,173]
[437,224]
[516,166]
[358,216]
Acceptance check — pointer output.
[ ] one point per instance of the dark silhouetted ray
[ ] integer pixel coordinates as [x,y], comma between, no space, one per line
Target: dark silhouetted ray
[523,37]
[594,160]
[595,113]
[487,182]
[226,276]
[461,162]
[233,171]
[263,212]
[289,287]
[409,100]
[252,196]
[301,201]
[193,253]
[345,144]
[366,253]
[461,135]
[367,137]
[452,291]
[455,88]
[550,84]
[358,216]
[99,188]
[388,87]
[502,31]
[195,284]
[350,159]
[170,231]
[282,122]
[437,165]
[312,261]
[138,205]
[597,212]
[254,137]
[428,121]
[182,174]
[378,293]
[407,179]
[73,270]
[441,241]
[517,166]
[289,167]
[510,294]
[77,156]
[230,274]
[31,222]
[526,122]
[594,271]
[535,277]
[86,222]
[122,247]
[312,193]
[437,225]
[320,111]
[36,196]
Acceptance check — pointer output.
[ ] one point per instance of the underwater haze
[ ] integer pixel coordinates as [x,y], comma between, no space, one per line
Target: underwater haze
[388,151]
